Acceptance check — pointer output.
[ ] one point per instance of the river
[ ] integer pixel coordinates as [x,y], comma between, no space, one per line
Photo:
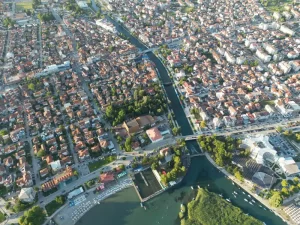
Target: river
[124,208]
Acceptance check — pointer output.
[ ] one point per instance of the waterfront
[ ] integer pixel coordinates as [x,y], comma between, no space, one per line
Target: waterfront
[124,207]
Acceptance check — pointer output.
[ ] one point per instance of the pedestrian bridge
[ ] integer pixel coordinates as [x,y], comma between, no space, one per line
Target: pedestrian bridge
[188,137]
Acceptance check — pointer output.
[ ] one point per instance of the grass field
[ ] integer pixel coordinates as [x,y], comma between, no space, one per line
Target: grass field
[276,5]
[52,207]
[20,6]
[96,165]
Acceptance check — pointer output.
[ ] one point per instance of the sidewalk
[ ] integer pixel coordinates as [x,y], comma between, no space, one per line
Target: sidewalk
[246,186]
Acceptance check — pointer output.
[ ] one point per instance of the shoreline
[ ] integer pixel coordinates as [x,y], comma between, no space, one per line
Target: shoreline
[71,215]
[248,190]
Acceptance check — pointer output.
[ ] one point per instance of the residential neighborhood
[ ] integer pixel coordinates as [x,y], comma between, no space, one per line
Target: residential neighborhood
[102,95]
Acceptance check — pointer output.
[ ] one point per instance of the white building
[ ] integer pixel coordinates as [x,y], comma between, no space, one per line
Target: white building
[285,67]
[276,15]
[287,30]
[229,57]
[105,24]
[27,195]
[261,149]
[263,56]
[270,109]
[270,48]
[295,65]
[82,4]
[289,167]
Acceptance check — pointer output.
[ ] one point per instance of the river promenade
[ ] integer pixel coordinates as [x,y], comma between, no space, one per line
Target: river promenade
[247,186]
[68,215]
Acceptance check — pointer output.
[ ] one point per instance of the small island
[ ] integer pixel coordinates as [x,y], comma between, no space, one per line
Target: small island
[210,209]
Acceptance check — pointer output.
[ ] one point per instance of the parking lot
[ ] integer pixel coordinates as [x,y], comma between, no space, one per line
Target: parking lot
[282,146]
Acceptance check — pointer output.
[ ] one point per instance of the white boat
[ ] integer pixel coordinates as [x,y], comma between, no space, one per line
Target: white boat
[233,183]
[243,192]
[221,195]
[141,204]
[235,192]
[250,203]
[260,206]
[228,200]
[199,186]
[192,187]
[264,208]
[249,196]
[245,200]
[234,196]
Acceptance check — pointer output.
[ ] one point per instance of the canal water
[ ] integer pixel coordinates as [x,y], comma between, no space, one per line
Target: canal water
[124,207]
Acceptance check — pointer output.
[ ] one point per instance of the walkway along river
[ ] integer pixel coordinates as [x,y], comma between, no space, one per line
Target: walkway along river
[119,210]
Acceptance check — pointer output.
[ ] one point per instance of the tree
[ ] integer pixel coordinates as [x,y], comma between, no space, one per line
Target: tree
[296,180]
[75,173]
[31,86]
[279,129]
[284,183]
[203,124]
[154,165]
[122,167]
[276,199]
[239,176]
[176,130]
[285,191]
[34,216]
[60,200]
[41,153]
[128,143]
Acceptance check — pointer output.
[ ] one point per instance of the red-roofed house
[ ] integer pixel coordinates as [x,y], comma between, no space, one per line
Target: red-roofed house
[154,134]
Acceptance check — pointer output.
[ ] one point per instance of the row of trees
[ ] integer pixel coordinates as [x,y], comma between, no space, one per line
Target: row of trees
[45,17]
[176,171]
[142,103]
[34,216]
[220,148]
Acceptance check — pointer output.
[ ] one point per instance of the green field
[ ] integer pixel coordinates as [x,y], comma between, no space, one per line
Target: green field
[276,5]
[96,165]
[21,6]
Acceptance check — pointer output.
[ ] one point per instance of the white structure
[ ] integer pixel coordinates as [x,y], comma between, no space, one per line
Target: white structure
[295,65]
[270,109]
[82,4]
[263,56]
[285,67]
[270,48]
[260,148]
[27,195]
[287,30]
[229,57]
[105,24]
[55,166]
[294,106]
[276,15]
[289,167]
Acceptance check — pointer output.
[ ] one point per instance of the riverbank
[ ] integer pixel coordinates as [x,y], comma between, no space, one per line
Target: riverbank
[247,187]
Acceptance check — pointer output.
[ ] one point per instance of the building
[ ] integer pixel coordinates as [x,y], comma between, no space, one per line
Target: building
[105,24]
[263,56]
[261,149]
[58,179]
[27,195]
[289,167]
[154,134]
[107,177]
[137,125]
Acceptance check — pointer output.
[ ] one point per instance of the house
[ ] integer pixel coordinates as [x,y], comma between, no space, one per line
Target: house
[44,172]
[25,180]
[136,125]
[27,195]
[55,166]
[107,177]
[8,162]
[154,134]
[83,154]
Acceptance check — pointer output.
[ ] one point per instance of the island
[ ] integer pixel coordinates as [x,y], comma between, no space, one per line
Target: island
[210,209]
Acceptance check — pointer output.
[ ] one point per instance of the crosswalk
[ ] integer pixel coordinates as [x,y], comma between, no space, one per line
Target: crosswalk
[294,212]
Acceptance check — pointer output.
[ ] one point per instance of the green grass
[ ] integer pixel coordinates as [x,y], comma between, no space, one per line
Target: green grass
[2,217]
[276,5]
[20,6]
[96,165]
[52,207]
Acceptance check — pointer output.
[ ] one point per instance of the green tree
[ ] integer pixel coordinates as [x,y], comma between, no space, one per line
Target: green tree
[128,144]
[285,191]
[34,216]
[239,176]
[154,166]
[203,124]
[276,199]
[296,180]
[60,200]
[31,86]
[284,183]
[75,173]
[41,153]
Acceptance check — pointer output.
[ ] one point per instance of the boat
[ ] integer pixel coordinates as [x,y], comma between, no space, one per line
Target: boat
[192,187]
[233,183]
[243,192]
[228,200]
[260,206]
[245,200]
[250,203]
[145,208]
[265,209]
[249,196]
[264,223]
[235,192]
[141,204]
[221,195]
[199,186]
[234,196]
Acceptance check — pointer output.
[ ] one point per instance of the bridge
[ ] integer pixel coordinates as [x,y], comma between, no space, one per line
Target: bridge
[148,50]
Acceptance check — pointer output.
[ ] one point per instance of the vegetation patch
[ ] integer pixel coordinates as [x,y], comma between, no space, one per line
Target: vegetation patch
[55,205]
[210,209]
[2,217]
[96,165]
[21,6]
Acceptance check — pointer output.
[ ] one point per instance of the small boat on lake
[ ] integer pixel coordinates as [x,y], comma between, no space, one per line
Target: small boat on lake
[245,200]
[228,200]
